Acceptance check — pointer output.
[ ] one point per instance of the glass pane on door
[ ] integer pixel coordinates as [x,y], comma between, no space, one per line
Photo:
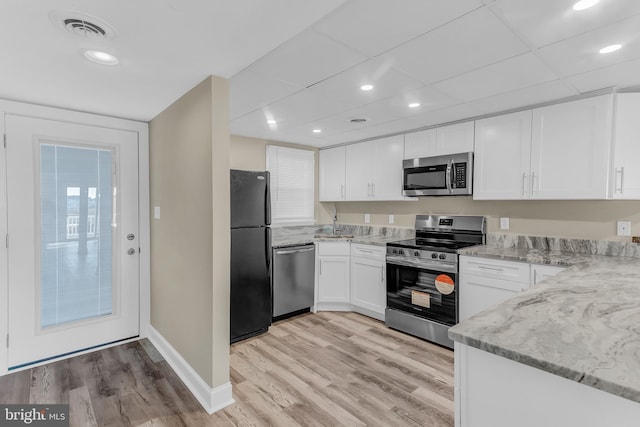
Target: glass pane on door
[77,210]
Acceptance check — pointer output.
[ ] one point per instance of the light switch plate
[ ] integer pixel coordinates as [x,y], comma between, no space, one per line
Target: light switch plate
[504,223]
[367,218]
[156,212]
[392,219]
[624,228]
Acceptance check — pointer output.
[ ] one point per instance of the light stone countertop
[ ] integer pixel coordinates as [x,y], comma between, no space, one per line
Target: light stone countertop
[302,239]
[582,324]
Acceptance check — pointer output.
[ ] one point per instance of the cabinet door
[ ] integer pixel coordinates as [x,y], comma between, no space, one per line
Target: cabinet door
[387,168]
[420,144]
[479,293]
[456,138]
[502,157]
[543,272]
[368,288]
[333,279]
[359,185]
[570,149]
[625,179]
[332,174]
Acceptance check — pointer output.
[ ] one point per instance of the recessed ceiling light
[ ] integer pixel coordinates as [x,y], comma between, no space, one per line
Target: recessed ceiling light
[610,48]
[584,4]
[414,105]
[271,122]
[317,131]
[366,87]
[99,57]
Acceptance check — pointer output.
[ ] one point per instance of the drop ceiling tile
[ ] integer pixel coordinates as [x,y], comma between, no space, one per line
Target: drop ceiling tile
[544,22]
[446,115]
[345,87]
[249,91]
[626,74]
[374,26]
[429,98]
[253,124]
[302,107]
[545,92]
[514,73]
[468,43]
[306,59]
[390,127]
[581,53]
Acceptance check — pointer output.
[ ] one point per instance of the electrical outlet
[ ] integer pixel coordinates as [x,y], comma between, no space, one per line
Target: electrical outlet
[392,219]
[367,218]
[624,228]
[504,223]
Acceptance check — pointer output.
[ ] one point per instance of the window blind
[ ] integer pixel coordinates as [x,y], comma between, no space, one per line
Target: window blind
[292,185]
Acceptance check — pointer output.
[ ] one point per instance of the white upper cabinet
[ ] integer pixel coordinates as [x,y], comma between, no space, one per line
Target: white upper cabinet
[374,169]
[502,157]
[450,139]
[556,152]
[420,144]
[332,174]
[570,149]
[625,171]
[359,171]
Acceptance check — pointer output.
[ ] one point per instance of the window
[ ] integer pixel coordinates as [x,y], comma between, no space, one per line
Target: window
[292,185]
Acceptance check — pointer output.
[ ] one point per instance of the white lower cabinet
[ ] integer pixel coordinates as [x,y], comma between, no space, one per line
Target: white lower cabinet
[485,283]
[332,276]
[368,282]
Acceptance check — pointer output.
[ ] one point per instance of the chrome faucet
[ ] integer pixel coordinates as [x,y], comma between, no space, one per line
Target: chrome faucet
[335,218]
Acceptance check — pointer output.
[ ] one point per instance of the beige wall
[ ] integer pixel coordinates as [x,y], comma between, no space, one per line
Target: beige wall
[250,154]
[189,181]
[575,219]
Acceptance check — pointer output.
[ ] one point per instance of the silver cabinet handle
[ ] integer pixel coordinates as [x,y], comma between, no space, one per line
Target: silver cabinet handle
[342,191]
[482,267]
[524,177]
[620,171]
[373,189]
[533,176]
[382,273]
[535,276]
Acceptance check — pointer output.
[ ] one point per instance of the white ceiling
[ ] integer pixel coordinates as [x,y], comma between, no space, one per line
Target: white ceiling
[301,63]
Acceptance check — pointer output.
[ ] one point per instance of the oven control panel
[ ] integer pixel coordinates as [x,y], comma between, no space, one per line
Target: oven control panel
[422,255]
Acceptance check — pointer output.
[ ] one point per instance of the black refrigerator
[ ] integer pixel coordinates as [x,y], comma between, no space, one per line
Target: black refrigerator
[250,254]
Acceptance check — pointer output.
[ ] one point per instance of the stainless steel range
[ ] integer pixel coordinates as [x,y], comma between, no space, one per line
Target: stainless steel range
[422,275]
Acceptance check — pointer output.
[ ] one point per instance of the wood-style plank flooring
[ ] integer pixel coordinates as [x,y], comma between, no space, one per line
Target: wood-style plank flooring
[324,369]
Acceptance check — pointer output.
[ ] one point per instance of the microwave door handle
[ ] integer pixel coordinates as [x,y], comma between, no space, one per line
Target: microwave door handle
[448,177]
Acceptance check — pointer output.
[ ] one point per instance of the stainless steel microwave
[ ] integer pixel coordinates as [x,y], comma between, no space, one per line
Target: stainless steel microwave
[449,175]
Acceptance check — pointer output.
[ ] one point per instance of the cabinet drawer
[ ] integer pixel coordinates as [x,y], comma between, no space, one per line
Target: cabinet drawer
[368,251]
[333,248]
[505,270]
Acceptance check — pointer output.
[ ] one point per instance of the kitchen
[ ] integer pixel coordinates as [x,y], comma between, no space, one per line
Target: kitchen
[181,234]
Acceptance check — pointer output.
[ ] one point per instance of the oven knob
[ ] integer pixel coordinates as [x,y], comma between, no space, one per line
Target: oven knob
[442,256]
[394,251]
[434,256]
[416,253]
[400,252]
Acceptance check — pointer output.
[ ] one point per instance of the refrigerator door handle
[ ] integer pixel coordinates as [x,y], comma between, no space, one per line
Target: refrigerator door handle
[267,202]
[268,249]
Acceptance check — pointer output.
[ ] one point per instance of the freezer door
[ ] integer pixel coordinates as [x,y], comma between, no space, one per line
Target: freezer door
[250,282]
[250,199]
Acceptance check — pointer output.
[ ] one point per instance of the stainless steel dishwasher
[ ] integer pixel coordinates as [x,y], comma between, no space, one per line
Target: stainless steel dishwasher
[293,280]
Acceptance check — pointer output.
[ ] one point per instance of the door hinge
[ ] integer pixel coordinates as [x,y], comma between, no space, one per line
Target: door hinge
[4,137]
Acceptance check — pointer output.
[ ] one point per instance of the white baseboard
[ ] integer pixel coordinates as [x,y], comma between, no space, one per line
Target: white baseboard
[211,399]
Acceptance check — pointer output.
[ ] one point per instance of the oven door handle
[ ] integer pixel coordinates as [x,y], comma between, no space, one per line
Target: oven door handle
[428,265]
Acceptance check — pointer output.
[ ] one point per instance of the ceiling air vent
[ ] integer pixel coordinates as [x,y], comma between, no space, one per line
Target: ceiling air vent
[84,28]
[358,120]
[81,24]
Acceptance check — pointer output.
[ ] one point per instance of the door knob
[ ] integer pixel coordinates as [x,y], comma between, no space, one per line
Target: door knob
[131,251]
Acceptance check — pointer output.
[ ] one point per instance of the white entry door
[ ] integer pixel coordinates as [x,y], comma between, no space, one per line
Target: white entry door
[72,237]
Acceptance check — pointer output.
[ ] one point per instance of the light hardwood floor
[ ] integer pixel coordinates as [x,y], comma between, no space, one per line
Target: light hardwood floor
[324,369]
